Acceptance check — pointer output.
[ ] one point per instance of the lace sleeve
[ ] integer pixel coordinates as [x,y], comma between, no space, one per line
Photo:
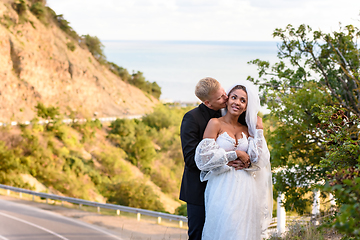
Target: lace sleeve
[258,151]
[211,159]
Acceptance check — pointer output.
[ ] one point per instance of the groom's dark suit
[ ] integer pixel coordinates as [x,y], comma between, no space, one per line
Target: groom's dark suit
[192,189]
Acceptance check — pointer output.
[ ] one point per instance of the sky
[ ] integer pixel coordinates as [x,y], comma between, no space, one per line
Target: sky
[214,20]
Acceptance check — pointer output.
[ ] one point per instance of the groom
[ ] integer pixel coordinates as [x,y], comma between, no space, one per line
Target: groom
[193,125]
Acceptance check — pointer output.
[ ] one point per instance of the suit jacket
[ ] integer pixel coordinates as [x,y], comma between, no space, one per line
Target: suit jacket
[192,130]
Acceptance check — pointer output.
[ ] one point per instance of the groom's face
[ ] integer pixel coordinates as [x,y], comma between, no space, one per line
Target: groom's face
[217,99]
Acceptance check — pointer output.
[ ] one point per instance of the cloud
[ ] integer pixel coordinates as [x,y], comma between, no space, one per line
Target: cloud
[201,19]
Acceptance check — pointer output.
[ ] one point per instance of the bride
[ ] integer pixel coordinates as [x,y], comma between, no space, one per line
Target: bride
[238,203]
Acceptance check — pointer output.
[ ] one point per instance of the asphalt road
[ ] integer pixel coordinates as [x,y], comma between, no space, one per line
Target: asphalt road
[19,221]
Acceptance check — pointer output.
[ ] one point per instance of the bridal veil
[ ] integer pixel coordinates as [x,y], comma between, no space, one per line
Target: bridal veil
[263,177]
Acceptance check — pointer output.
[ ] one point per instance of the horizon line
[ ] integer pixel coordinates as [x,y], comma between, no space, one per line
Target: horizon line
[162,40]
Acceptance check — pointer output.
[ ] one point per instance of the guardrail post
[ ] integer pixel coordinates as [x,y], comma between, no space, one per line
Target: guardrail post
[138,216]
[118,212]
[281,214]
[33,197]
[46,200]
[98,209]
[80,205]
[159,220]
[20,194]
[180,223]
[8,192]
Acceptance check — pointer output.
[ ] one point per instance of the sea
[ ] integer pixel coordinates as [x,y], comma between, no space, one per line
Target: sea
[176,66]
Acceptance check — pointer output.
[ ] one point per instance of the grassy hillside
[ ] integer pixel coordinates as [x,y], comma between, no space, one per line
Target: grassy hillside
[134,162]
[50,72]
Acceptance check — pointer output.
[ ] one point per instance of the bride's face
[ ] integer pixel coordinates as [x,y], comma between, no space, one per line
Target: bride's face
[237,102]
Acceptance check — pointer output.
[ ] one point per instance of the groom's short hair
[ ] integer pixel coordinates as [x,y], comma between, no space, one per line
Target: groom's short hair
[205,87]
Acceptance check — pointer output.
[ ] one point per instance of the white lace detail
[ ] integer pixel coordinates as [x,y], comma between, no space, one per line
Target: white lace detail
[211,159]
[251,191]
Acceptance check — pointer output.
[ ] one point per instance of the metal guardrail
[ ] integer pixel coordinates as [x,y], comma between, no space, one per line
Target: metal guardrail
[118,208]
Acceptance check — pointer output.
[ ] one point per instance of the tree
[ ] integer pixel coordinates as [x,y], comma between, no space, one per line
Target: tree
[95,46]
[138,80]
[39,10]
[161,117]
[65,26]
[120,71]
[316,70]
[155,90]
[47,112]
[341,140]
[20,7]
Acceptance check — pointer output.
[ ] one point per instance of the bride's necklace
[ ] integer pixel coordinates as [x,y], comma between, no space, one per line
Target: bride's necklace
[233,126]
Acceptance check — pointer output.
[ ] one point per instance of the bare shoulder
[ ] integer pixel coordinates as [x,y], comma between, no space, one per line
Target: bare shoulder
[214,122]
[212,128]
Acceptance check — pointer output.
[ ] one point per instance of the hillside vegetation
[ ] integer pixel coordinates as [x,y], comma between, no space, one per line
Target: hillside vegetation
[135,162]
[49,72]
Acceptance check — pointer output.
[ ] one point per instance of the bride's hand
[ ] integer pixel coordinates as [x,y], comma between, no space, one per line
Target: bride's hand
[237,164]
[244,159]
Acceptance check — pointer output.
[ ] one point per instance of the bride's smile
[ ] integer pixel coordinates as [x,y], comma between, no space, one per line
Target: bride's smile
[237,101]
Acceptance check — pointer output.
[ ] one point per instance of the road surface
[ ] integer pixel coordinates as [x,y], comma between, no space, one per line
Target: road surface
[19,221]
[125,228]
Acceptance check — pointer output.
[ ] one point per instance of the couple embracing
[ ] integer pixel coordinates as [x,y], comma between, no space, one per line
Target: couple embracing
[227,176]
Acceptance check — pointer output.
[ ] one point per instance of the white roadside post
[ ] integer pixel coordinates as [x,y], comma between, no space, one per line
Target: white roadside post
[316,206]
[281,214]
[332,200]
[138,216]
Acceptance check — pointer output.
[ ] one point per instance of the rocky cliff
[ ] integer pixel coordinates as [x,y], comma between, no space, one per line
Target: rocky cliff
[36,65]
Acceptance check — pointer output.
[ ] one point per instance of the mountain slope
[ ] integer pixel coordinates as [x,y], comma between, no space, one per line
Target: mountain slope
[36,65]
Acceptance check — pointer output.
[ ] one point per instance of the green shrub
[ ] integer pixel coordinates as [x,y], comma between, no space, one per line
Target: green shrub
[20,7]
[161,117]
[123,133]
[71,46]
[138,80]
[47,112]
[163,177]
[39,10]
[135,194]
[112,163]
[120,71]
[11,165]
[95,47]
[181,210]
[7,21]
[143,153]
[340,133]
[65,26]
[87,129]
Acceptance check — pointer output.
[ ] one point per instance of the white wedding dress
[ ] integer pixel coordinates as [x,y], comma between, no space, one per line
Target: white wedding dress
[235,205]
